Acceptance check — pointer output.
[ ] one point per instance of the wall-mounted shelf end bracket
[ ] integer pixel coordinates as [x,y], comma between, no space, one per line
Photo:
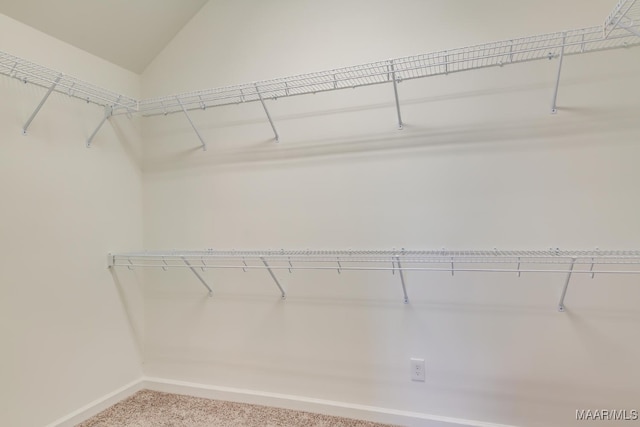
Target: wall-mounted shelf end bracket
[44,99]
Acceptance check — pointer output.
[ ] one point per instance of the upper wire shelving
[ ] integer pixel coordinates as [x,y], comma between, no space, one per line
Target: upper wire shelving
[621,29]
[496,261]
[29,72]
[546,46]
[54,81]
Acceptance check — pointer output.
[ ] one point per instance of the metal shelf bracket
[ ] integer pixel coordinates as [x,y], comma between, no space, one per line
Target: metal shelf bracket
[198,276]
[273,276]
[186,113]
[267,112]
[554,107]
[561,307]
[395,92]
[44,99]
[108,112]
[404,287]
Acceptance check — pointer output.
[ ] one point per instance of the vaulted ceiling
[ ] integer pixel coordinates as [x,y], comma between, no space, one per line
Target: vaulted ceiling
[129,33]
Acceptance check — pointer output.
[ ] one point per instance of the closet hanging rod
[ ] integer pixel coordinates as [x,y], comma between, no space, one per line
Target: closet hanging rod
[402,268]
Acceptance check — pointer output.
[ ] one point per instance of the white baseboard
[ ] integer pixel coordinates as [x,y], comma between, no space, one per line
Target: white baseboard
[298,403]
[98,405]
[301,403]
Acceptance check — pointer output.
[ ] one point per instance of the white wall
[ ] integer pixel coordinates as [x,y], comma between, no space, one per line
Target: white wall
[480,164]
[68,333]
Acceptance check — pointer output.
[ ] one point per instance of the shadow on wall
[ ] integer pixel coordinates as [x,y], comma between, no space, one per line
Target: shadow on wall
[523,135]
[134,317]
[123,132]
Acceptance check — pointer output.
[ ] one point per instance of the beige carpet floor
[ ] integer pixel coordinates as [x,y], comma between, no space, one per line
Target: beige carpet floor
[149,408]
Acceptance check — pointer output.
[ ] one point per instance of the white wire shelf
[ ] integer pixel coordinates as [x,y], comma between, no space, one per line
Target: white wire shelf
[213,258]
[546,46]
[400,261]
[29,72]
[625,18]
[621,29]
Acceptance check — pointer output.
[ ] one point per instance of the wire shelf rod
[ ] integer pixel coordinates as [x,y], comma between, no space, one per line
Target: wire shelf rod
[404,268]
[442,260]
[373,254]
[589,257]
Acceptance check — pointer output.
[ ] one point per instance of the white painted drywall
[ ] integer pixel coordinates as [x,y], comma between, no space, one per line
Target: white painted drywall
[480,164]
[69,330]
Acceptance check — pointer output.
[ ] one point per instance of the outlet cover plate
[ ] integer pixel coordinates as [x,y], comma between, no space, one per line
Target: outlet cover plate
[417,369]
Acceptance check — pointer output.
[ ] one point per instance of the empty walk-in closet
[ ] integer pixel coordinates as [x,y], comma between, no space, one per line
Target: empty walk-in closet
[415,213]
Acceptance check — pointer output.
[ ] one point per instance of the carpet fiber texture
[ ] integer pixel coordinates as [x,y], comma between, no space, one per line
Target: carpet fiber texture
[149,408]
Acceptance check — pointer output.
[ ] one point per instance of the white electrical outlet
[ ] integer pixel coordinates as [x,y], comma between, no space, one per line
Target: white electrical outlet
[417,370]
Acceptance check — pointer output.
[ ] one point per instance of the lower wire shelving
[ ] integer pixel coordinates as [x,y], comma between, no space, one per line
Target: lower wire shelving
[496,261]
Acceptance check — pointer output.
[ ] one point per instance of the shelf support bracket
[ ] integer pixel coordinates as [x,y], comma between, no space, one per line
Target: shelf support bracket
[267,111]
[108,112]
[273,276]
[395,92]
[566,285]
[404,287]
[44,99]
[186,113]
[197,275]
[554,106]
